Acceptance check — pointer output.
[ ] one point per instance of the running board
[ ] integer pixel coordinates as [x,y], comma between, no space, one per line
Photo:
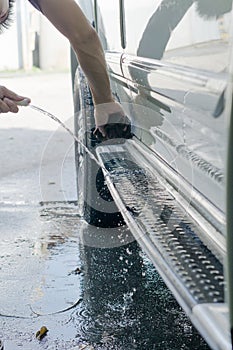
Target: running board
[161,223]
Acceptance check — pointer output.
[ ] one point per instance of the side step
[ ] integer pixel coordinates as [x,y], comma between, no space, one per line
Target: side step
[170,237]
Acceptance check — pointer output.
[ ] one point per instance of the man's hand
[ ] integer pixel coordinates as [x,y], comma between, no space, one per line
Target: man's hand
[111,121]
[9,100]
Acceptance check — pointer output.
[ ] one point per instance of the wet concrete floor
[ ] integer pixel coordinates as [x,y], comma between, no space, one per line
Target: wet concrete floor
[91,288]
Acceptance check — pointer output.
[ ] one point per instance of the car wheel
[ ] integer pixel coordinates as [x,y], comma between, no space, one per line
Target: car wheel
[94,199]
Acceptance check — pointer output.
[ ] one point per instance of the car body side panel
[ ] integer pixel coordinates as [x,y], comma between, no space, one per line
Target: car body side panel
[176,56]
[172,73]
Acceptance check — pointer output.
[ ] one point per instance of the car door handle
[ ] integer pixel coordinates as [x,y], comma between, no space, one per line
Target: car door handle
[220,105]
[122,24]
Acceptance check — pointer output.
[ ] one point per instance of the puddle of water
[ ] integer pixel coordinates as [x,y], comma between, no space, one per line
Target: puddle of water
[123,303]
[127,306]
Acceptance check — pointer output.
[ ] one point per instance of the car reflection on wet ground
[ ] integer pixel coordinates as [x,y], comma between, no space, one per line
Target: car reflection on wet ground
[89,287]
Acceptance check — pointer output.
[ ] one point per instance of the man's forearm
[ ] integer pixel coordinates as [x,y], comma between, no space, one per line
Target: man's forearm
[68,18]
[91,58]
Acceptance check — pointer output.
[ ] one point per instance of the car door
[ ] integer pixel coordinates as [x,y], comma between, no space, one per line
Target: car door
[175,62]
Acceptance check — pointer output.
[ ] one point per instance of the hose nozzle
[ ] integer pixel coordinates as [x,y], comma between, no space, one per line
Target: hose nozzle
[25,102]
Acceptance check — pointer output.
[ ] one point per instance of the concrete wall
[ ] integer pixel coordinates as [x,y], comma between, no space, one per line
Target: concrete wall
[54,47]
[18,42]
[9,49]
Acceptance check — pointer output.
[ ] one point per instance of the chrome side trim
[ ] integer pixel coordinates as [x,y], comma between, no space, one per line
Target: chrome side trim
[229,200]
[151,74]
[198,203]
[113,60]
[195,77]
[212,320]
[203,165]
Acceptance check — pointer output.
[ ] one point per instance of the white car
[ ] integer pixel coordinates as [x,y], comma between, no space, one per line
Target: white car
[171,180]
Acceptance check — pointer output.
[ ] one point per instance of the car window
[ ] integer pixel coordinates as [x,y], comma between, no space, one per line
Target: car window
[108,15]
[186,32]
[87,7]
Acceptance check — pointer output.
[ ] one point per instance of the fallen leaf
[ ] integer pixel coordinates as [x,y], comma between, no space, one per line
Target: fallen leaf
[41,333]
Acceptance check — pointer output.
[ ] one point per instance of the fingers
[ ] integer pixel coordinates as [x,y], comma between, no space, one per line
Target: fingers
[8,105]
[114,130]
[4,108]
[104,110]
[101,130]
[4,92]
[111,121]
[12,106]
[9,100]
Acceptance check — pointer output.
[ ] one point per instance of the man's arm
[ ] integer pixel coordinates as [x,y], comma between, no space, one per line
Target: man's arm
[68,18]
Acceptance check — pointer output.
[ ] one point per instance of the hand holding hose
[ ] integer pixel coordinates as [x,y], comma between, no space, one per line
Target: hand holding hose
[111,121]
[9,101]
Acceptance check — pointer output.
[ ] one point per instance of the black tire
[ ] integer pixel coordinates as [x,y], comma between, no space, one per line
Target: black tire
[95,201]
